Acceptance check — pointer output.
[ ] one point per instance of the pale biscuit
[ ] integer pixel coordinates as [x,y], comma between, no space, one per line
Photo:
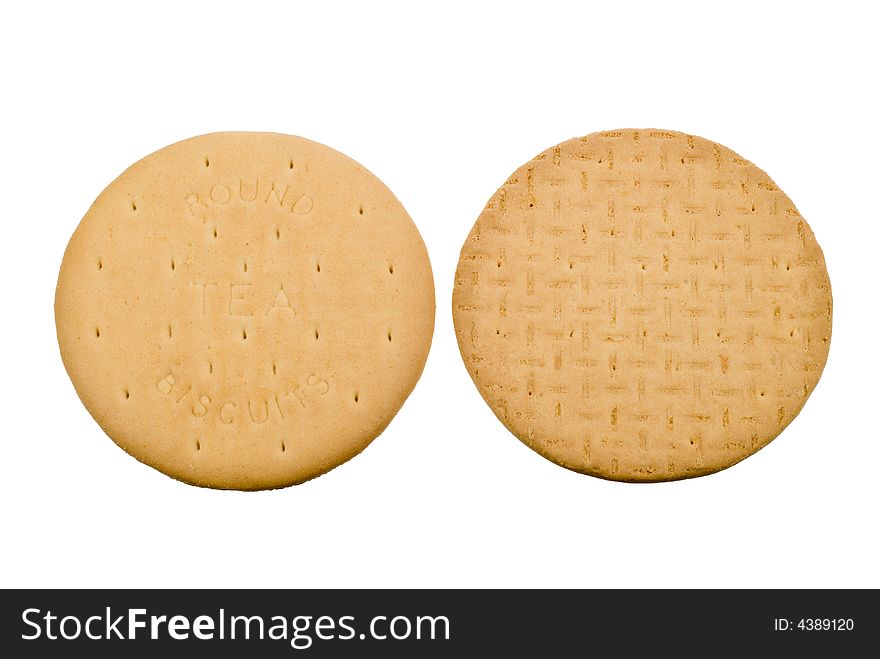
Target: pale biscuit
[642,305]
[245,310]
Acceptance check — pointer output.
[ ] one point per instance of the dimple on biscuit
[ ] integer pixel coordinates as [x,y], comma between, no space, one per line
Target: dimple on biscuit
[642,305]
[245,310]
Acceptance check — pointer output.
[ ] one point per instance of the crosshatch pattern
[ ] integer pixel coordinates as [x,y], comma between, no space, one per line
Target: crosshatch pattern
[642,305]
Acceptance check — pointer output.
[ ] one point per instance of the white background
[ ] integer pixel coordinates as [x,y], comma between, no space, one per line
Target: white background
[442,103]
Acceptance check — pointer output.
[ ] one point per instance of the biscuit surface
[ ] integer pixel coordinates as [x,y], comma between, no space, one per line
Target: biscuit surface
[245,310]
[642,305]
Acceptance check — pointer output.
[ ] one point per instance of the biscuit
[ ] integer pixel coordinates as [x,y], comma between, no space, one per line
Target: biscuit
[642,305]
[245,310]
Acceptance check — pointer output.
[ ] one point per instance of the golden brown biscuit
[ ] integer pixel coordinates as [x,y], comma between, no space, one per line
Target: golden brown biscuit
[642,305]
[245,310]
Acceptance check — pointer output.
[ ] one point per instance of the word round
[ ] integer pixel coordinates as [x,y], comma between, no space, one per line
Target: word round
[245,310]
[642,305]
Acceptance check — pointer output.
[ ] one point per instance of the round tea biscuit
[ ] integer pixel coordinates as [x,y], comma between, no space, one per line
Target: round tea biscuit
[245,310]
[642,305]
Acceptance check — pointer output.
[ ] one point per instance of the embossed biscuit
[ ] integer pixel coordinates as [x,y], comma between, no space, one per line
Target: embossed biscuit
[245,310]
[642,305]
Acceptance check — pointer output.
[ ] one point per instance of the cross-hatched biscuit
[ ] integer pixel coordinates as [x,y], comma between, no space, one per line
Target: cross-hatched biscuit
[245,310]
[642,305]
